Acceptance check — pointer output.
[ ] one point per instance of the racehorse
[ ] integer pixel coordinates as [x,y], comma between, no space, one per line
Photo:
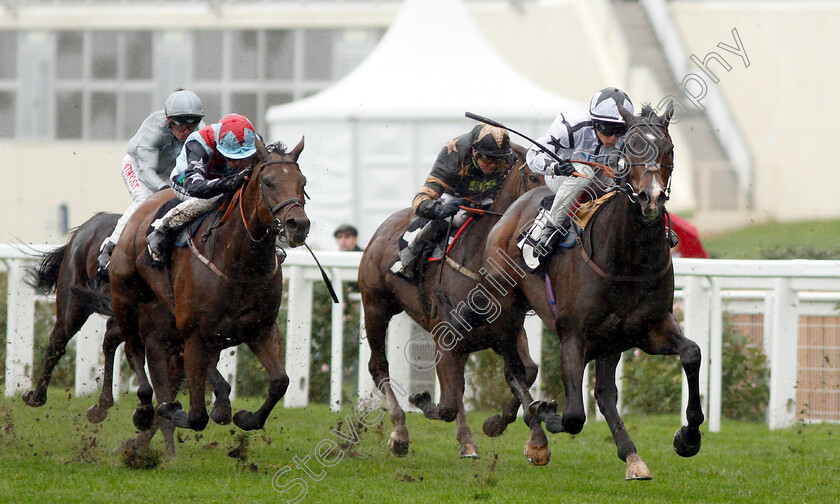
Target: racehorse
[384,295]
[613,292]
[68,270]
[222,292]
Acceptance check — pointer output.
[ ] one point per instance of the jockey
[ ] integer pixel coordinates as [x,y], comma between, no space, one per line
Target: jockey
[595,135]
[471,166]
[151,155]
[213,161]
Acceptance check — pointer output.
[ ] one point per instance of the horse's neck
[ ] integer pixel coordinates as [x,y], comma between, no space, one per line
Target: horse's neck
[246,250]
[629,246]
[508,192]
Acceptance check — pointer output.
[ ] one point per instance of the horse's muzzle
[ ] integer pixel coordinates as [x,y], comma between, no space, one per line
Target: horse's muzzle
[296,230]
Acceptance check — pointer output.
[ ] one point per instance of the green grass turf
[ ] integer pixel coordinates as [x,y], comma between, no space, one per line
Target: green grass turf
[52,454]
[750,242]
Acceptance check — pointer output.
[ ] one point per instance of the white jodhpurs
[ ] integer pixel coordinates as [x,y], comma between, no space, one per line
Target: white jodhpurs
[139,194]
[568,193]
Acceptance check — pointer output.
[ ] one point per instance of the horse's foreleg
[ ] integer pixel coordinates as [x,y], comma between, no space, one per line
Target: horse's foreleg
[196,359]
[113,339]
[160,372]
[450,370]
[667,339]
[606,394]
[376,324]
[221,411]
[267,349]
[574,414]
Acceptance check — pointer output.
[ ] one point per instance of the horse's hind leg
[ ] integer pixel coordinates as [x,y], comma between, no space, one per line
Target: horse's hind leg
[606,395]
[450,370]
[70,317]
[376,324]
[267,349]
[496,424]
[667,339]
[113,338]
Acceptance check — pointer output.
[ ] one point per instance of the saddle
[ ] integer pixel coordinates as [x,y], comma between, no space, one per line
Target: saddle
[569,233]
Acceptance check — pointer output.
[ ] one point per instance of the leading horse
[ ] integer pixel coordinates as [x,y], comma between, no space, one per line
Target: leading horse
[613,292]
[384,295]
[222,292]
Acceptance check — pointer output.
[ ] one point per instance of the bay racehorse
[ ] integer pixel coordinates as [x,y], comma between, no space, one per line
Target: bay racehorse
[222,292]
[613,291]
[384,295]
[68,271]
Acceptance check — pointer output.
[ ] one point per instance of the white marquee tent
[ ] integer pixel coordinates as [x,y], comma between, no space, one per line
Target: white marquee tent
[372,137]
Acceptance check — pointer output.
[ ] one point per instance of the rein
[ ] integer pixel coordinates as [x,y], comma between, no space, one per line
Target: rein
[587,258]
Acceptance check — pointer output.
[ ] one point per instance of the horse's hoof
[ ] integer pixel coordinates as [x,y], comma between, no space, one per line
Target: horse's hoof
[398,447]
[247,420]
[420,398]
[144,417]
[537,455]
[31,398]
[686,444]
[636,468]
[168,409]
[469,451]
[95,414]
[546,412]
[220,415]
[181,419]
[494,426]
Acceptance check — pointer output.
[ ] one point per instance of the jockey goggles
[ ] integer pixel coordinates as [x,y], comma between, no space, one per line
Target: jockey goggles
[610,128]
[486,158]
[191,121]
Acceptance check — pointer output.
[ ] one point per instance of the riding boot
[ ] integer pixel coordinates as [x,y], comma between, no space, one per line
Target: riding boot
[158,243]
[104,260]
[405,266]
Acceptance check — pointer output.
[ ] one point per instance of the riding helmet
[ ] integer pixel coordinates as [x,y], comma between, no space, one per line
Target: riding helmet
[490,141]
[604,105]
[184,105]
[237,139]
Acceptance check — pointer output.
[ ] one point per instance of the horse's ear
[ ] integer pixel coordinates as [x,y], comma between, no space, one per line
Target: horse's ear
[669,113]
[263,152]
[627,116]
[297,150]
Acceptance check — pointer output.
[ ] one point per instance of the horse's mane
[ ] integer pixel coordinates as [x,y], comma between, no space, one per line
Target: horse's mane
[647,111]
[276,147]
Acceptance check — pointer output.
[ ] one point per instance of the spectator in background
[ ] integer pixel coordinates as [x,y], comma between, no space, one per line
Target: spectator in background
[347,238]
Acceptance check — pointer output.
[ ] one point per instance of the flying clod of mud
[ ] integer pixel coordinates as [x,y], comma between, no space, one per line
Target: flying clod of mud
[139,457]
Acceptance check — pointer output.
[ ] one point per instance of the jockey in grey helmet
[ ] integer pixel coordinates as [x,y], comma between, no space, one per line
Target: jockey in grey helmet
[151,156]
[595,135]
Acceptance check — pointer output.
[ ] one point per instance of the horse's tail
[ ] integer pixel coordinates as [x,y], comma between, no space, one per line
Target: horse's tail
[44,277]
[96,299]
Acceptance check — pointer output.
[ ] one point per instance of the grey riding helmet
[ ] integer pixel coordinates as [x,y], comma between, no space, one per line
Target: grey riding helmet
[184,106]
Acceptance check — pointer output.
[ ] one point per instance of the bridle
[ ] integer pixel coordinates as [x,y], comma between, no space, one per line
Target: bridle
[290,203]
[650,167]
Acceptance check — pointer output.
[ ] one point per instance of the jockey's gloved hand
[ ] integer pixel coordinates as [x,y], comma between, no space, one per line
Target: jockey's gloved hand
[448,209]
[563,169]
[228,182]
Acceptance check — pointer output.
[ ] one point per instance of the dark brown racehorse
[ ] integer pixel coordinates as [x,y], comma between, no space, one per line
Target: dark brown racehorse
[68,270]
[385,295]
[222,292]
[614,292]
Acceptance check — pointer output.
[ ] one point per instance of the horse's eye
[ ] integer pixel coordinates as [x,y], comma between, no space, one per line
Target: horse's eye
[269,184]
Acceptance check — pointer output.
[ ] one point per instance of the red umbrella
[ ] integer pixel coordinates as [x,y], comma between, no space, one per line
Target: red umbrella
[690,245]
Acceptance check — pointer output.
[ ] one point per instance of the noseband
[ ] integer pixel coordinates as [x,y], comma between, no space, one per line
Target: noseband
[290,203]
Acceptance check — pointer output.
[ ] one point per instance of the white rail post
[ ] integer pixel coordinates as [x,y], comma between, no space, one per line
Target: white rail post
[20,328]
[367,389]
[697,306]
[89,367]
[337,343]
[298,335]
[399,336]
[783,363]
[227,368]
[534,332]
[715,357]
